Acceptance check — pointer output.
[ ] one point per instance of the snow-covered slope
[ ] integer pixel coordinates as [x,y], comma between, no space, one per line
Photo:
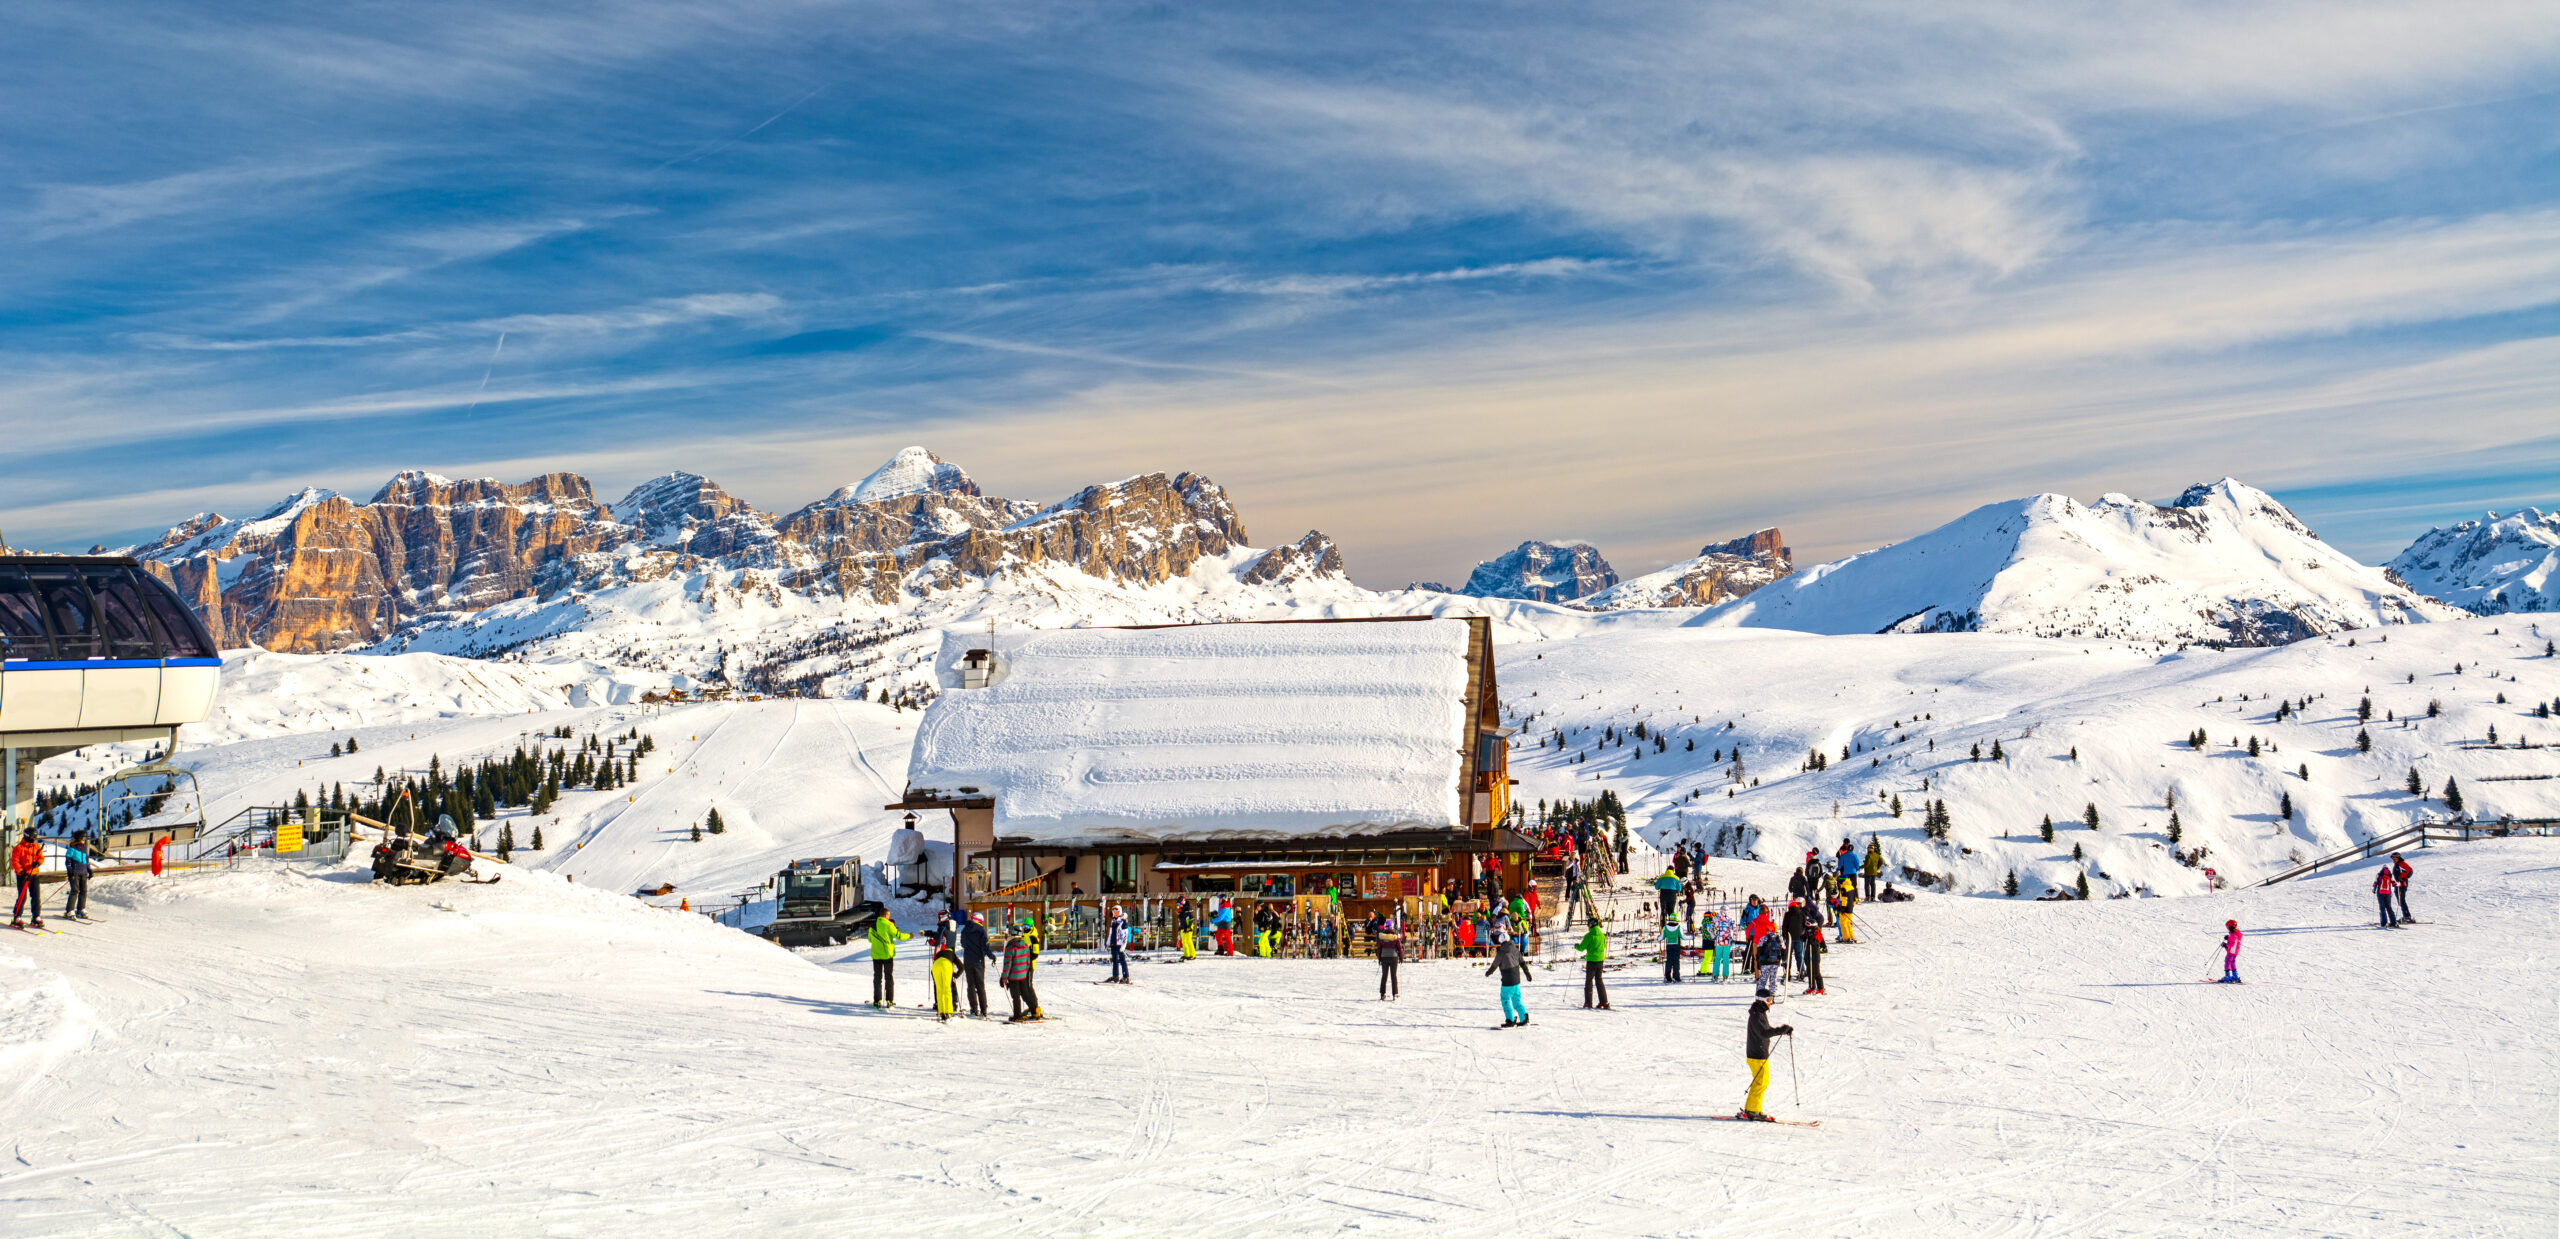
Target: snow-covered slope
[2223,564]
[2489,567]
[265,693]
[1899,716]
[293,1054]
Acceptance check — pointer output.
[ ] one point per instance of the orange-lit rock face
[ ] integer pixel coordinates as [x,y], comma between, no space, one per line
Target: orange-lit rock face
[323,573]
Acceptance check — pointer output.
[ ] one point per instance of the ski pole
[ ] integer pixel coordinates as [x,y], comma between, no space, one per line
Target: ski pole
[1791,1069]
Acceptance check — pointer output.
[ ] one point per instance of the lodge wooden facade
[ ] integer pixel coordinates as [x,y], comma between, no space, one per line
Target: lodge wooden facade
[1398,869]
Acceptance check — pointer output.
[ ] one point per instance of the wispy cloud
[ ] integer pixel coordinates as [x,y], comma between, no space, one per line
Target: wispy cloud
[70,210]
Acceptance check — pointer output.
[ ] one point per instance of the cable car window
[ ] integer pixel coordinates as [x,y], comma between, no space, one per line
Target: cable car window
[21,621]
[121,618]
[185,634]
[67,612]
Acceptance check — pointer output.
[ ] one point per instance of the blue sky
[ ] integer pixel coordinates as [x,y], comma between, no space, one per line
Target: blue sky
[1433,279]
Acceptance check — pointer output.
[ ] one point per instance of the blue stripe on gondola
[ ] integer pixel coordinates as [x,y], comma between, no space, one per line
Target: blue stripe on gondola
[105,664]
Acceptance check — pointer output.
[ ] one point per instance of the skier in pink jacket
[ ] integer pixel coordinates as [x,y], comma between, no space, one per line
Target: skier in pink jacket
[2231,953]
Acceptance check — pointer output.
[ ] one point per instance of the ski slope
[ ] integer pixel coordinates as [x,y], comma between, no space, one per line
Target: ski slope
[300,1054]
[1909,709]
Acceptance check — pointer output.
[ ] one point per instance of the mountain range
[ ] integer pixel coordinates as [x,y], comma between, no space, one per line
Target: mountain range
[681,576]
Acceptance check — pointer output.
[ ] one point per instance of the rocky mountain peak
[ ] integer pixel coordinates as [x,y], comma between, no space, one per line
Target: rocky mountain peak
[2491,566]
[1721,572]
[1542,572]
[1309,558]
[913,471]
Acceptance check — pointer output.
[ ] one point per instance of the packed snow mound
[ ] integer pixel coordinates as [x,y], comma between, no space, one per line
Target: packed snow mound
[2495,566]
[265,693]
[2223,565]
[2009,731]
[913,471]
[1203,732]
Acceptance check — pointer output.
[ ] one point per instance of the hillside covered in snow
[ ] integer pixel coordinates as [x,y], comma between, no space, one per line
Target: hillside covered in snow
[1771,743]
[2223,564]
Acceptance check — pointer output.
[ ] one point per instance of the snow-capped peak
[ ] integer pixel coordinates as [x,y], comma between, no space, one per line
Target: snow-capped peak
[2490,567]
[913,471]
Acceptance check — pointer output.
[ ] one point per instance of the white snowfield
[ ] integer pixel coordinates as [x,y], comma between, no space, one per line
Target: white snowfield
[1204,732]
[300,1054]
[1909,710]
[2224,563]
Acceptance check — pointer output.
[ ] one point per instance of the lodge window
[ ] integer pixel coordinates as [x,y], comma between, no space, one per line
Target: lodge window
[1120,874]
[1012,871]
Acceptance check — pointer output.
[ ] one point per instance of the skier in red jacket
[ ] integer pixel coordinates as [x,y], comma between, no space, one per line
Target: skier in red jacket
[2382,888]
[24,860]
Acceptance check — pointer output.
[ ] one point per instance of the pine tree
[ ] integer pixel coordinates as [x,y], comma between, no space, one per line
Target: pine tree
[2083,883]
[2284,806]
[714,824]
[2075,752]
[537,836]
[2253,746]
[2089,816]
[2417,786]
[1897,805]
[351,744]
[2364,740]
[1977,751]
[2452,794]
[2075,851]
[2176,831]
[697,832]
[2048,828]
[2012,886]
[333,748]
[506,841]
[1996,754]
[2364,709]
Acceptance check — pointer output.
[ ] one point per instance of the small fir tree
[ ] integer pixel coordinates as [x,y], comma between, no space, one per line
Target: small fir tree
[714,824]
[2083,883]
[2048,828]
[2176,831]
[537,836]
[2089,816]
[697,832]
[2452,794]
[2364,741]
[2011,886]
[2417,786]
[2284,806]
[506,841]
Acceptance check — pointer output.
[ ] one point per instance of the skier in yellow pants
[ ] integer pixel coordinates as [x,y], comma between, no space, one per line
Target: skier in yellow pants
[946,967]
[1756,1051]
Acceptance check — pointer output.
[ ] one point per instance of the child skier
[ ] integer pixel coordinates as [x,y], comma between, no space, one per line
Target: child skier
[1755,1052]
[2382,888]
[1018,963]
[75,878]
[1390,944]
[946,971]
[1771,956]
[1720,947]
[2230,953]
[1514,969]
[1671,951]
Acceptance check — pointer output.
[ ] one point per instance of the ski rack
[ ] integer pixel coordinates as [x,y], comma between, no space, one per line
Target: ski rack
[2423,834]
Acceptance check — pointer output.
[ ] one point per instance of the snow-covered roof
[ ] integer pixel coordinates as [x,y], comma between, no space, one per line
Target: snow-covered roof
[1205,731]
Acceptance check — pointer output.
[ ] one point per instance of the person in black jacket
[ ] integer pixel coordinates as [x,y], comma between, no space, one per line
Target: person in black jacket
[1806,937]
[974,954]
[1755,1051]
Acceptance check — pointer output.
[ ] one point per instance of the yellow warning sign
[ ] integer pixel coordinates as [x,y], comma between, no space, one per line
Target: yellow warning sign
[288,836]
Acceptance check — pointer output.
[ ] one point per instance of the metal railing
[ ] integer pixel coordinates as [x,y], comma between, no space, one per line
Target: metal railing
[2422,834]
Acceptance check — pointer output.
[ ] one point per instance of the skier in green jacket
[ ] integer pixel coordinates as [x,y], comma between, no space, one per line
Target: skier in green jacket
[884,960]
[1595,948]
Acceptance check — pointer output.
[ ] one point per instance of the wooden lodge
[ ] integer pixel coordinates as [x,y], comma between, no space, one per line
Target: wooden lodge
[1255,761]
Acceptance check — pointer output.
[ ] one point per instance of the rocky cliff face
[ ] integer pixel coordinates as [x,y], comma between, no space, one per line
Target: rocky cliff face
[1721,572]
[1542,572]
[320,572]
[2488,567]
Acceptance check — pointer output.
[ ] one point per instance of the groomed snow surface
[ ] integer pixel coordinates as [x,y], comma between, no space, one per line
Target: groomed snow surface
[298,1053]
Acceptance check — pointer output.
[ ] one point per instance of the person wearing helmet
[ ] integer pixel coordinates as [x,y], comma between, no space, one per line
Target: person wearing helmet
[2400,872]
[1755,1054]
[2230,953]
[24,860]
[1018,960]
[1514,968]
[2382,888]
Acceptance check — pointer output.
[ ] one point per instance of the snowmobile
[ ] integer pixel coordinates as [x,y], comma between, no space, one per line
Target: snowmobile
[408,856]
[821,903]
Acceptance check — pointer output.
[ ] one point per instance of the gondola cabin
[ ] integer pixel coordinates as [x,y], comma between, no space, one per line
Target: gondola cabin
[1365,758]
